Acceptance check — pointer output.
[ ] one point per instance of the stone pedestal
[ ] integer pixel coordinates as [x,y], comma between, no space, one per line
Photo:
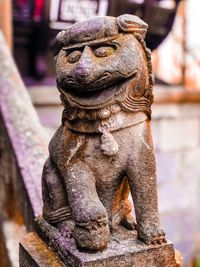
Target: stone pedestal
[33,252]
[124,250]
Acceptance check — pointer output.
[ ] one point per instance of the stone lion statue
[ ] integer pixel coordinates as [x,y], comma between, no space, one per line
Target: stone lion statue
[103,148]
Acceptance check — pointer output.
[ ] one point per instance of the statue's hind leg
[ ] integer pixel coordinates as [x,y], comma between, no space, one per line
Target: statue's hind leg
[141,172]
[122,208]
[55,201]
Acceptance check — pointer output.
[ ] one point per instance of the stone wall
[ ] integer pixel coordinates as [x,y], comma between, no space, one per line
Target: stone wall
[176,132]
[176,61]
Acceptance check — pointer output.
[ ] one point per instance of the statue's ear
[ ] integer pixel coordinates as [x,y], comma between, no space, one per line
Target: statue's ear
[132,24]
[60,40]
[58,43]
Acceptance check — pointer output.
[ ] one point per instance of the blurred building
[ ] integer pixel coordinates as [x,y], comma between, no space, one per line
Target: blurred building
[177,60]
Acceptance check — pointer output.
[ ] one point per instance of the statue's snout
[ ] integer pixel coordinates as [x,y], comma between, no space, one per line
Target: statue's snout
[83,69]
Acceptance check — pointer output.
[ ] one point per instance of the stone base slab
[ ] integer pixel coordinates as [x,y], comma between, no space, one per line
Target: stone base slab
[122,251]
[33,252]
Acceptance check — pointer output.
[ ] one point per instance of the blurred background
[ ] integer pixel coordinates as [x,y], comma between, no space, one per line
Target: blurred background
[30,27]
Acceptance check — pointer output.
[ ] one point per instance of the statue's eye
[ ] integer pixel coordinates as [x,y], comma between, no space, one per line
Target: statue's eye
[74,56]
[104,51]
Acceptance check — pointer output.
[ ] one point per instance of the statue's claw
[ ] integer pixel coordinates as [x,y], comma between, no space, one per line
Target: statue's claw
[159,240]
[129,223]
[95,237]
[155,237]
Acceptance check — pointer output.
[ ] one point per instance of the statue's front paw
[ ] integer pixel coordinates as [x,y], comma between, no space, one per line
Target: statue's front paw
[91,230]
[153,236]
[93,237]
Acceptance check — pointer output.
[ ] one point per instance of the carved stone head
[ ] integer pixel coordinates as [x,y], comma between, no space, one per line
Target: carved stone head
[103,66]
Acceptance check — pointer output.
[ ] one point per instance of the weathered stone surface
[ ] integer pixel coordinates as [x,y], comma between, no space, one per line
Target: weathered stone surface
[35,253]
[124,250]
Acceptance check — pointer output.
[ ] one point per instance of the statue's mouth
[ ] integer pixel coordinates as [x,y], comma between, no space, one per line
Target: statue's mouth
[101,96]
[86,85]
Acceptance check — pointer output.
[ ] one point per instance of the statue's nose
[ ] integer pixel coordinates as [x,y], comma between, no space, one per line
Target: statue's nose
[83,68]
